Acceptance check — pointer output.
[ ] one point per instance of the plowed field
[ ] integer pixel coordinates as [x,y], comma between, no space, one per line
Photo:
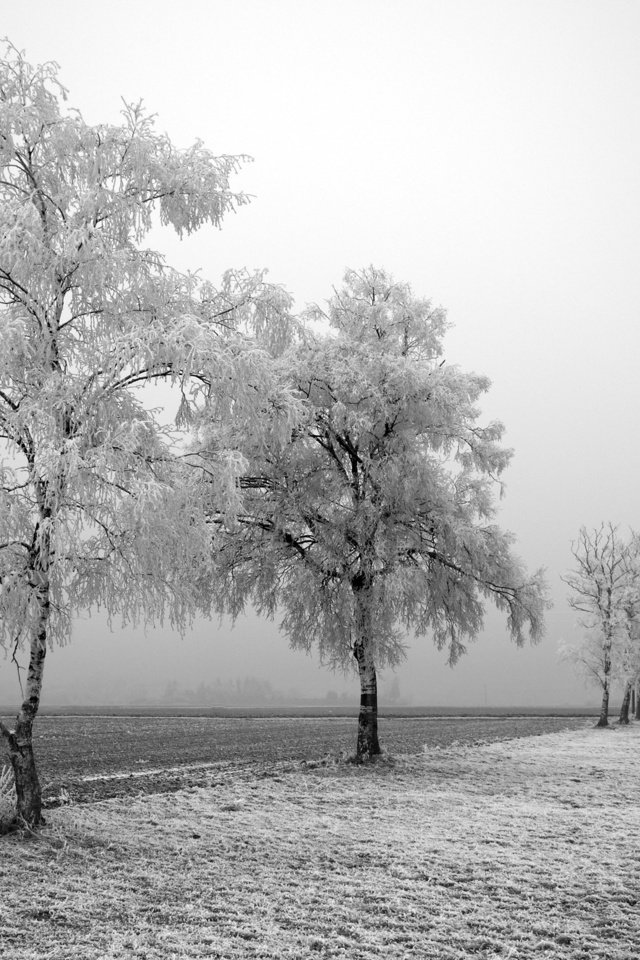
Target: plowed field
[93,757]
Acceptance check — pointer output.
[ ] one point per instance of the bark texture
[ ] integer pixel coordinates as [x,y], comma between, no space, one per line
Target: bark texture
[20,743]
[368,745]
[626,703]
[603,719]
[20,739]
[28,790]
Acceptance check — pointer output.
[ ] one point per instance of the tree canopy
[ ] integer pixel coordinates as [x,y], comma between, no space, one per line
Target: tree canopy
[378,517]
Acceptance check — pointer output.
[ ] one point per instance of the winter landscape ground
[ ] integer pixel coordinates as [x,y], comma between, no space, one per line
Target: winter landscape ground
[514,848]
[92,757]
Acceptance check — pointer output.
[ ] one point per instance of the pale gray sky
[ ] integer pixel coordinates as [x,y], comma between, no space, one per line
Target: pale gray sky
[487,152]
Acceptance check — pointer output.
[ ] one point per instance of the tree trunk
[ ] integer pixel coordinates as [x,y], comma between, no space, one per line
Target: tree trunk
[28,790]
[638,701]
[626,702]
[20,743]
[603,719]
[368,745]
[20,739]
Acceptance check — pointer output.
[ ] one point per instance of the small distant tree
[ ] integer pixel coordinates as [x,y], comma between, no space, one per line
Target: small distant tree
[377,517]
[95,511]
[604,591]
[628,665]
[591,659]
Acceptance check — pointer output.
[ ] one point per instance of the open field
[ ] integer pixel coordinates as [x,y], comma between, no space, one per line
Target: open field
[514,849]
[94,757]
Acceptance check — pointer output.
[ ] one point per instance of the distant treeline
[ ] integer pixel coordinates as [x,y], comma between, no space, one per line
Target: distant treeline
[250,690]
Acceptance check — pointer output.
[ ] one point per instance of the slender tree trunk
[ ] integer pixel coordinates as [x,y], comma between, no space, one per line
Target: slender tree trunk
[20,743]
[28,791]
[368,745]
[626,702]
[603,719]
[20,739]
[637,700]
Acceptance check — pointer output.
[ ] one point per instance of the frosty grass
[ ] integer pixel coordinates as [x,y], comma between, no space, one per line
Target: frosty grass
[524,848]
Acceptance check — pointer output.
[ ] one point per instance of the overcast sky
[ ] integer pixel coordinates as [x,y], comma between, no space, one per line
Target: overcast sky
[485,151]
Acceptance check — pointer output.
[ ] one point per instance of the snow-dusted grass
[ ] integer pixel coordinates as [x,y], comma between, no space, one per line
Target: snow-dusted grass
[525,848]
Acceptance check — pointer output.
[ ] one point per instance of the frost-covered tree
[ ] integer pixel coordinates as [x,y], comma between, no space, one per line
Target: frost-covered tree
[629,666]
[605,591]
[591,659]
[91,515]
[626,666]
[377,517]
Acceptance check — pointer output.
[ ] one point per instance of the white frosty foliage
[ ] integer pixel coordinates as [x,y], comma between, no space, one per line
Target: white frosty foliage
[97,504]
[381,507]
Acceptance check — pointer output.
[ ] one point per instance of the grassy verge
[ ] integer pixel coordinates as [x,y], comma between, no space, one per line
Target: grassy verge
[525,848]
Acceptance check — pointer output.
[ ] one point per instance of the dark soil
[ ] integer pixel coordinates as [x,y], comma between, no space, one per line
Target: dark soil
[133,755]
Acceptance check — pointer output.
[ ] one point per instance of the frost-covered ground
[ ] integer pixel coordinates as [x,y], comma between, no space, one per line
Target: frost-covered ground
[525,848]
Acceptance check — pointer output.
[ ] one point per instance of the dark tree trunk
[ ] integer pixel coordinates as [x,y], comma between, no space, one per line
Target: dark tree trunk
[27,783]
[28,790]
[20,740]
[626,703]
[603,719]
[637,716]
[368,745]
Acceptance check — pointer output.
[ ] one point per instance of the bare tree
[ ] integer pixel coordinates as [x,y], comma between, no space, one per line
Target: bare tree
[604,589]
[628,665]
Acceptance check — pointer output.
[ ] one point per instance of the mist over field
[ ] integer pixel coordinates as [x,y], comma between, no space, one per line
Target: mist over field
[252,664]
[486,153]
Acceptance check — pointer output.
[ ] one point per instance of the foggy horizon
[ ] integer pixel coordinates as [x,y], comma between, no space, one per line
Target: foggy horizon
[488,155]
